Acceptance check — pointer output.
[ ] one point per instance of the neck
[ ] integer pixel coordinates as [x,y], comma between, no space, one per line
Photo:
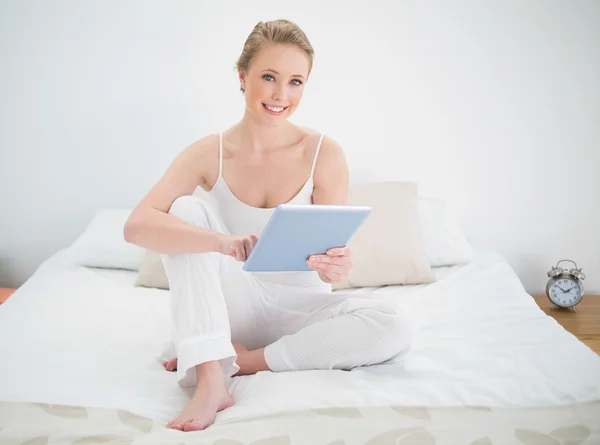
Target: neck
[260,136]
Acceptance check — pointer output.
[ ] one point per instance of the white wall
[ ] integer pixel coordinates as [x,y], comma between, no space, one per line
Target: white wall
[494,106]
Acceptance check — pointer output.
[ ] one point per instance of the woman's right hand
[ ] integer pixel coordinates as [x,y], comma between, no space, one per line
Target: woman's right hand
[237,246]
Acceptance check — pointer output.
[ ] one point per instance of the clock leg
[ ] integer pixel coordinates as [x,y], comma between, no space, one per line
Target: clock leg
[573,309]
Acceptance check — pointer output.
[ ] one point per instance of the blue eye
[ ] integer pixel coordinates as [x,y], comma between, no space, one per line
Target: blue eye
[270,78]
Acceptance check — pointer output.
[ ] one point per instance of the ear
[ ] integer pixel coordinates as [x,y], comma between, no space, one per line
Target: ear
[242,78]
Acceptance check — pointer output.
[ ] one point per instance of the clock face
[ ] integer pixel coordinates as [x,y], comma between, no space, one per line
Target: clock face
[565,292]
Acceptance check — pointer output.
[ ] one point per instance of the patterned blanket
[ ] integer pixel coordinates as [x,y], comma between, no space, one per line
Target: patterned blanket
[41,424]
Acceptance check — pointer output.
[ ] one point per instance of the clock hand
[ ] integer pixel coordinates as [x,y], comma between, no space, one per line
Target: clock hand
[567,291]
[561,288]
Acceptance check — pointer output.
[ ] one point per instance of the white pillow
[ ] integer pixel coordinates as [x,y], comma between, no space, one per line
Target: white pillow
[445,242]
[102,243]
[388,249]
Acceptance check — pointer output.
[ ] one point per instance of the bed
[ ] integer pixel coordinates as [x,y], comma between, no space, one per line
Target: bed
[80,364]
[81,344]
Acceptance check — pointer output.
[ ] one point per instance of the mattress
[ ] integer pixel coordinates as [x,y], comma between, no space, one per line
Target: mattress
[77,341]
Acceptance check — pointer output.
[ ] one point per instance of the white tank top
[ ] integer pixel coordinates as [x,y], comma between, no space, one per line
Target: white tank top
[243,219]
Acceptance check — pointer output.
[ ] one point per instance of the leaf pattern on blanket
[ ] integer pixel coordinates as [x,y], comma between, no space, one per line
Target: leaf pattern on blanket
[529,437]
[71,412]
[279,440]
[27,424]
[421,438]
[574,435]
[104,439]
[418,412]
[36,441]
[392,436]
[338,412]
[142,424]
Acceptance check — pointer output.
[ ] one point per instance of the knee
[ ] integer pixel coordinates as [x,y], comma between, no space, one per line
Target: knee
[192,210]
[397,329]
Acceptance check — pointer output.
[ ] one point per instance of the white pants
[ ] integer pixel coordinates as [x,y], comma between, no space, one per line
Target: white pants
[215,302]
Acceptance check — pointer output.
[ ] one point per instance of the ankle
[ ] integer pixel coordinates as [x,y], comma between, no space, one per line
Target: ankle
[209,371]
[251,362]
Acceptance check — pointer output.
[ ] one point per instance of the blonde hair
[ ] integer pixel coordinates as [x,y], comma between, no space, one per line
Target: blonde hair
[276,31]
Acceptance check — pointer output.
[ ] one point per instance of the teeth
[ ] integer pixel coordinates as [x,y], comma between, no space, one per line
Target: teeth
[275,109]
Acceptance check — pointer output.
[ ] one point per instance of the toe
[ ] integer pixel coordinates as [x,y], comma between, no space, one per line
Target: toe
[176,424]
[179,425]
[172,365]
[192,426]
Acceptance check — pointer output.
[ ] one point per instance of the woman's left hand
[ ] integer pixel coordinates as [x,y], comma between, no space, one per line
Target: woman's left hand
[334,266]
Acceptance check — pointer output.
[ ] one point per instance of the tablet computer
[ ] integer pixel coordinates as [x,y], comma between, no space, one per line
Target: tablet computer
[296,231]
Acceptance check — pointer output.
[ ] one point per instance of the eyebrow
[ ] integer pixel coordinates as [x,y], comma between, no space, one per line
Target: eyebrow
[273,71]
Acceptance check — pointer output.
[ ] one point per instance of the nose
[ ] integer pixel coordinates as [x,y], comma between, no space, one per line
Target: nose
[280,93]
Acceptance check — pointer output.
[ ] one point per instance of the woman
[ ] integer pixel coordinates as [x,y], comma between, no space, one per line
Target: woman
[230,322]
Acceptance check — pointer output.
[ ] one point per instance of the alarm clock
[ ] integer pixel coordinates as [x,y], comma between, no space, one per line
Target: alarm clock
[565,287]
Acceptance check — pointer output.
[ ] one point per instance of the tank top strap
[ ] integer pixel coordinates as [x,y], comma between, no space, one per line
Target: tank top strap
[220,155]
[312,170]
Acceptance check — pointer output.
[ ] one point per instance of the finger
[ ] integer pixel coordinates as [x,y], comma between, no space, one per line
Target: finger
[319,258]
[247,247]
[238,250]
[331,268]
[333,277]
[312,265]
[324,259]
[323,277]
[338,251]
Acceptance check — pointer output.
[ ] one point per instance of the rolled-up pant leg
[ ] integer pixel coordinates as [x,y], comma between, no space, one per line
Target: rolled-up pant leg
[200,284]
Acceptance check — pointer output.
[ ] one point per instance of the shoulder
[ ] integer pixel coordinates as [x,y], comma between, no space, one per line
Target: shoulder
[331,166]
[331,158]
[331,176]
[208,144]
[201,157]
[330,151]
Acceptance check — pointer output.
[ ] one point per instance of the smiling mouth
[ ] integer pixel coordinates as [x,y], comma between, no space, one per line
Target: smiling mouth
[275,109]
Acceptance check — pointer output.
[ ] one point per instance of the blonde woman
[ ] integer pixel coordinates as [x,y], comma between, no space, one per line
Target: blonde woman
[230,322]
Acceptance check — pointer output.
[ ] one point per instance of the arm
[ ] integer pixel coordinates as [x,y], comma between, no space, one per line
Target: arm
[331,177]
[152,227]
[331,183]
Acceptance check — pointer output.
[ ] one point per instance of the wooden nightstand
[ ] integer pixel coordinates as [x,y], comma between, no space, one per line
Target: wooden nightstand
[5,292]
[584,323]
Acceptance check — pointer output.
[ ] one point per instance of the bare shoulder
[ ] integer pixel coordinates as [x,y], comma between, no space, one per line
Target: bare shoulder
[331,176]
[330,150]
[203,155]
[331,157]
[206,146]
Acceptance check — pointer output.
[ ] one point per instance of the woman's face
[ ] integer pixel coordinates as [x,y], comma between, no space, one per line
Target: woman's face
[275,81]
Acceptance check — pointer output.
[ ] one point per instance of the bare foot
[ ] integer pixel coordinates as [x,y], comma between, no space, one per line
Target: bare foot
[210,397]
[171,365]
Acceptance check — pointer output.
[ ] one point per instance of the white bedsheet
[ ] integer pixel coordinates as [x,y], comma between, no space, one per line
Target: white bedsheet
[74,335]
